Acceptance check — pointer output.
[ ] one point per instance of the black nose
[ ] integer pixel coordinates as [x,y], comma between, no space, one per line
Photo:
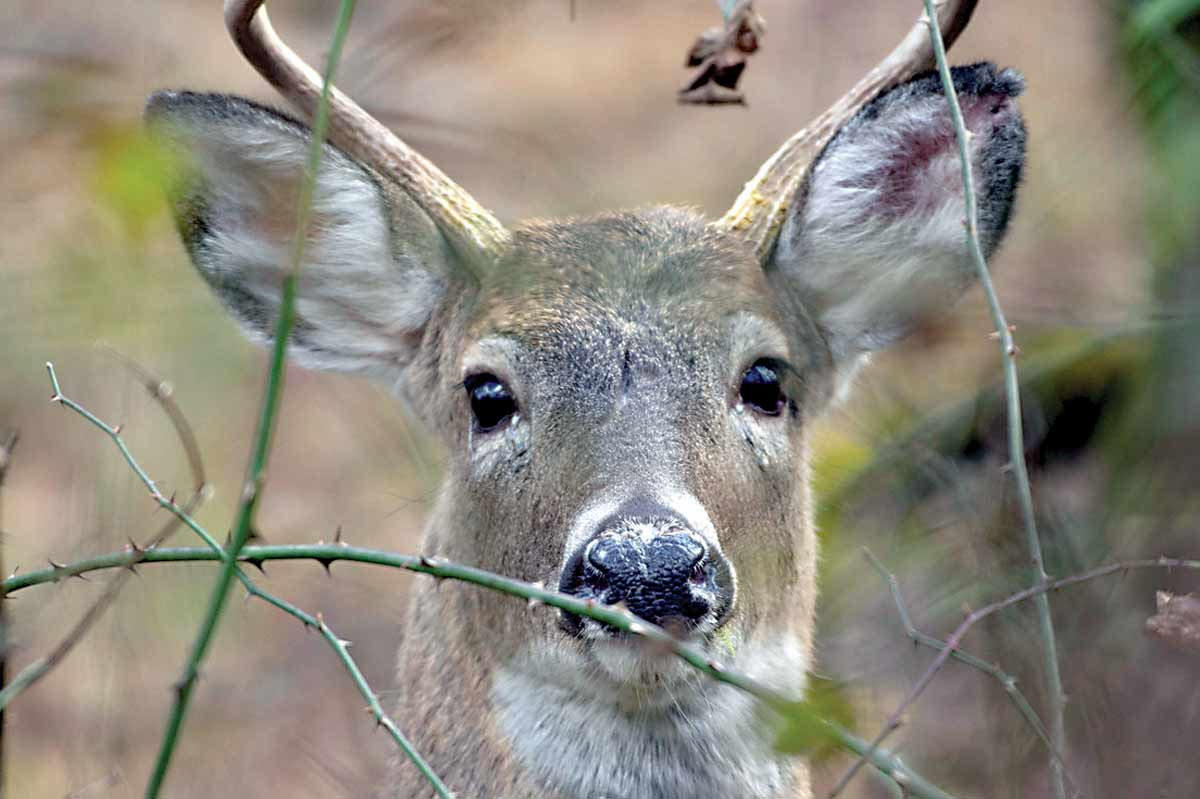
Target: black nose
[663,572]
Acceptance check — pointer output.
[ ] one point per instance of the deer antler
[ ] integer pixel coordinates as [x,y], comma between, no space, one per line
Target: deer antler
[473,232]
[759,210]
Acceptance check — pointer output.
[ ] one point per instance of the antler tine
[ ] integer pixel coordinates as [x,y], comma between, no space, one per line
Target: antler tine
[757,214]
[474,233]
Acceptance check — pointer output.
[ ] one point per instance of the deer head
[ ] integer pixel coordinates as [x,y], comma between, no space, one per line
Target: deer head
[625,397]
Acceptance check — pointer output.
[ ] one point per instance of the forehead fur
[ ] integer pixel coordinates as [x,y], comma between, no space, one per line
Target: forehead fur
[629,265]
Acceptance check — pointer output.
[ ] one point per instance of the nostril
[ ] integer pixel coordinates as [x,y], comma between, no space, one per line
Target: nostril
[695,607]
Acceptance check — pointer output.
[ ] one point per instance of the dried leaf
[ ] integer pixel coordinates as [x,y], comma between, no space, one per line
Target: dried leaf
[1177,621]
[719,56]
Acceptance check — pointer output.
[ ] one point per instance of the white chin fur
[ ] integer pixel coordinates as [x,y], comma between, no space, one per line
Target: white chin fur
[585,727]
[638,662]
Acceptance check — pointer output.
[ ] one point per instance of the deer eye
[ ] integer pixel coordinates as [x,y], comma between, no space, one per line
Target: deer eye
[760,388]
[491,401]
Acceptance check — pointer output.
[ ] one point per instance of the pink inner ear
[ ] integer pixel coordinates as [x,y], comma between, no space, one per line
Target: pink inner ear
[920,170]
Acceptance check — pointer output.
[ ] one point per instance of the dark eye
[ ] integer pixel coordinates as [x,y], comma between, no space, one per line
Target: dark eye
[491,401]
[760,389]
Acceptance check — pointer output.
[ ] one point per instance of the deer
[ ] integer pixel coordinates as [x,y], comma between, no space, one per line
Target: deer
[626,398]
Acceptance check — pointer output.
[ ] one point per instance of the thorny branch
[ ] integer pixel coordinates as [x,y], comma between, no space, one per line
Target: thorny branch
[1006,680]
[1016,438]
[135,554]
[160,391]
[272,393]
[620,618]
[6,452]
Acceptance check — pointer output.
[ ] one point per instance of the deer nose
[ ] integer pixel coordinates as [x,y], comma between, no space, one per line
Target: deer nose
[660,570]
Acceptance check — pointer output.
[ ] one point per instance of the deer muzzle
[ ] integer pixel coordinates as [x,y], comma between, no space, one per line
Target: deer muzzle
[654,564]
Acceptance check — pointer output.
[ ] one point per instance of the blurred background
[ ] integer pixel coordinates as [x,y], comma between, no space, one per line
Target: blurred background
[551,108]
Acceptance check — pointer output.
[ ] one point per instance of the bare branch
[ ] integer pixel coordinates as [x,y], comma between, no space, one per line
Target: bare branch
[159,390]
[1016,436]
[135,554]
[1006,680]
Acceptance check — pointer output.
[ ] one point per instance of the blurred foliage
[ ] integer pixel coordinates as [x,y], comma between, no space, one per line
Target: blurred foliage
[131,169]
[800,729]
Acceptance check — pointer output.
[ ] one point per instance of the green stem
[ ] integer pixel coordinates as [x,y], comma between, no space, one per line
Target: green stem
[1016,437]
[244,521]
[620,618]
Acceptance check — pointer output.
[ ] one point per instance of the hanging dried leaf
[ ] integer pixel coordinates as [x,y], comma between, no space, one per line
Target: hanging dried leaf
[719,56]
[1177,621]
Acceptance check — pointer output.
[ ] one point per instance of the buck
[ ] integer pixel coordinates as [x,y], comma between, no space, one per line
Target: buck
[626,399]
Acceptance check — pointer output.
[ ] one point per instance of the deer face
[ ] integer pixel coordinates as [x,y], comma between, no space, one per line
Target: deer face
[624,397]
[629,424]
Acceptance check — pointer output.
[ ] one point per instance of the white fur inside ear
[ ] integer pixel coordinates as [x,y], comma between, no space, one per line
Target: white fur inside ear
[359,303]
[881,237]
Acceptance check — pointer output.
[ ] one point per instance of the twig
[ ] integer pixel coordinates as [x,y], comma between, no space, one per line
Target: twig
[252,487]
[327,554]
[135,554]
[45,664]
[6,451]
[160,391]
[618,617]
[1006,680]
[1016,435]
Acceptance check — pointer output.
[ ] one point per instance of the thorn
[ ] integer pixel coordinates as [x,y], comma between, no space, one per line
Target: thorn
[207,492]
[337,537]
[1013,351]
[716,666]
[134,548]
[325,564]
[164,390]
[345,643]
[256,563]
[81,576]
[637,628]
[534,602]
[173,496]
[320,619]
[249,492]
[14,572]
[255,536]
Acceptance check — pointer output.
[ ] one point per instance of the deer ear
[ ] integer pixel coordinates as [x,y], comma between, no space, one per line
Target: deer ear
[375,266]
[877,239]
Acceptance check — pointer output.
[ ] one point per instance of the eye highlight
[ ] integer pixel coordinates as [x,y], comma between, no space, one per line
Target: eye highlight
[491,402]
[761,390]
